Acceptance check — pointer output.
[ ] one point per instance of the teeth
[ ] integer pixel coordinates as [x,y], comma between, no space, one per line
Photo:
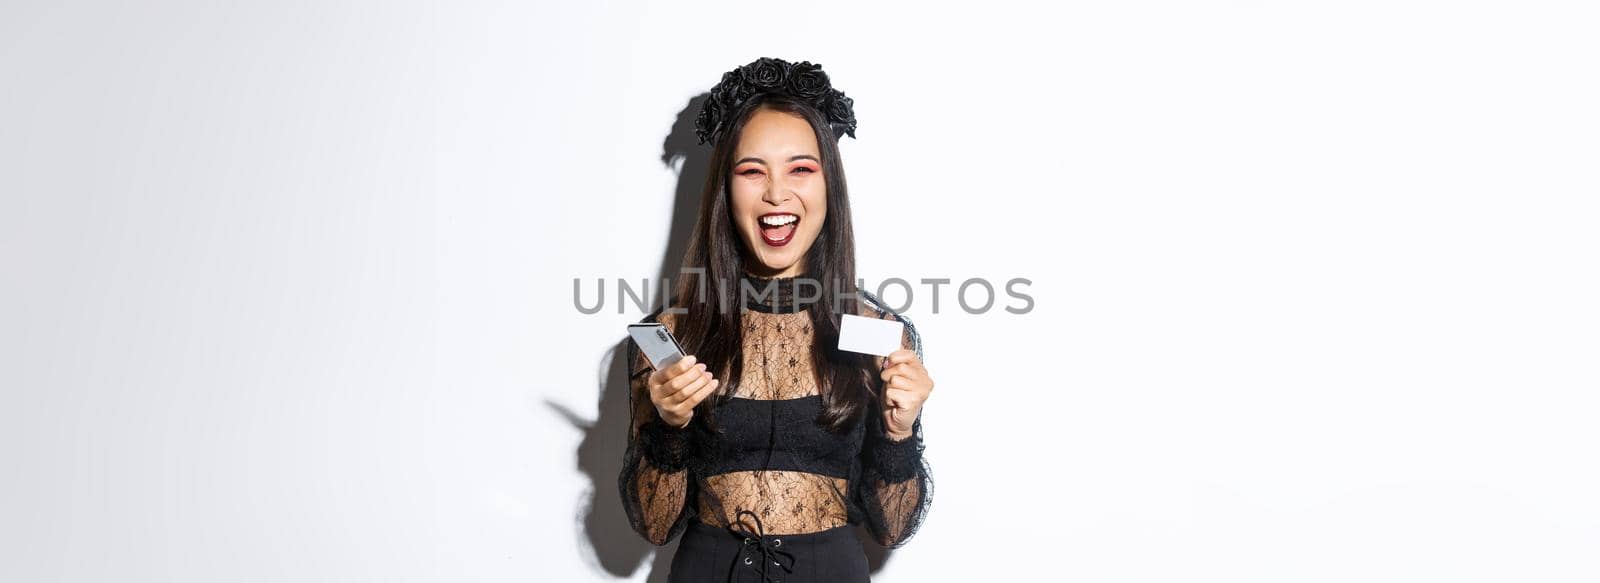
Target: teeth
[778,220]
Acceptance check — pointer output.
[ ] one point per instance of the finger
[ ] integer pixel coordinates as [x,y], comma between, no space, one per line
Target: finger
[688,390]
[901,384]
[674,398]
[683,365]
[704,392]
[902,355]
[671,385]
[665,375]
[902,399]
[903,370]
[920,385]
[682,380]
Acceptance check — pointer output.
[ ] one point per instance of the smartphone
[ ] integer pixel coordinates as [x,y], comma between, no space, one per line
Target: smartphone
[656,343]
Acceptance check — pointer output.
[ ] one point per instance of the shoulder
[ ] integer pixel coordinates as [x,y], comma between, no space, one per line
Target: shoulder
[874,307]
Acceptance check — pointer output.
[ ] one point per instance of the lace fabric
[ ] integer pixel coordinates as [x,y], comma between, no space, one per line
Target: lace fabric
[807,479]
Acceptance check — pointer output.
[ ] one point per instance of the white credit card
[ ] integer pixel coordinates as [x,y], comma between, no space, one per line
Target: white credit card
[869,335]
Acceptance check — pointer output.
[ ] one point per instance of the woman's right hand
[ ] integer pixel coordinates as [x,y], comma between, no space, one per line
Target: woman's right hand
[675,390]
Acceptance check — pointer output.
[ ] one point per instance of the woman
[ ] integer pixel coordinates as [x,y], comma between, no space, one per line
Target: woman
[767,444]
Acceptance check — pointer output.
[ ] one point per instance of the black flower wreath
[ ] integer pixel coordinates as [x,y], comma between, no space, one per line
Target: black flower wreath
[803,80]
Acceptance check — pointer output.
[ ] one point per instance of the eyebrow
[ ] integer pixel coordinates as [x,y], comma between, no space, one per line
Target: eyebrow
[791,159]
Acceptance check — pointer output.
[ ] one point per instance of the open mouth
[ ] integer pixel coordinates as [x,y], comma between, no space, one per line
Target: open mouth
[777,229]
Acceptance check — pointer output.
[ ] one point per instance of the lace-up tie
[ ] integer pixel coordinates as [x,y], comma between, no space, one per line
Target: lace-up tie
[769,551]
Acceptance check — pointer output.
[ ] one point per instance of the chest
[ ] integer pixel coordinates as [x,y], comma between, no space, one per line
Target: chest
[775,353]
[783,434]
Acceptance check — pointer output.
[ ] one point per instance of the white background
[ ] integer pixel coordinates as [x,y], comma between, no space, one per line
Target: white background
[288,287]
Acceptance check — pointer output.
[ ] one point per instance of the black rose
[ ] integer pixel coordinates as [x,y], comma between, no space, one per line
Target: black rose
[841,113]
[807,80]
[732,91]
[804,81]
[764,73]
[729,79]
[709,120]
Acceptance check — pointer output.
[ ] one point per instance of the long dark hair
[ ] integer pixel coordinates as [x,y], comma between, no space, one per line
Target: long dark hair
[711,328]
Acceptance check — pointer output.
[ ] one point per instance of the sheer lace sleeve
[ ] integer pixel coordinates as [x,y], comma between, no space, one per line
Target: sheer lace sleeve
[895,487]
[655,481]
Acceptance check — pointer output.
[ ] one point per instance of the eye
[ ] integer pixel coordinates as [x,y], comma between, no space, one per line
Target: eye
[750,172]
[803,170]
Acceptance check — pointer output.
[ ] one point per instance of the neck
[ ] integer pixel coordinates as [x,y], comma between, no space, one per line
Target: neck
[779,294]
[765,272]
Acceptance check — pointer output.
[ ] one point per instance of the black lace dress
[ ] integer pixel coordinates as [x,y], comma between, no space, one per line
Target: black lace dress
[767,470]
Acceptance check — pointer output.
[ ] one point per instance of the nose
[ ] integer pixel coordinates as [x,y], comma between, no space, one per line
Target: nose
[777,191]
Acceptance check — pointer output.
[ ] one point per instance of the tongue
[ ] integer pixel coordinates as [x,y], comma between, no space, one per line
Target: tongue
[777,233]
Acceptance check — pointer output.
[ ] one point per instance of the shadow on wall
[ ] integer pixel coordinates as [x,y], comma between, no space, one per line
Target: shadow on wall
[616,548]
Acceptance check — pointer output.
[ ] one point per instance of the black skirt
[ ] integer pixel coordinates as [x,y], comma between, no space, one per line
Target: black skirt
[708,554]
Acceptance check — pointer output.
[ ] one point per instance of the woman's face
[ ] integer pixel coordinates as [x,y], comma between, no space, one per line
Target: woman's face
[779,195]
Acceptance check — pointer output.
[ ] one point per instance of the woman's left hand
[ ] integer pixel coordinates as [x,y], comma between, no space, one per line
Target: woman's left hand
[906,387]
